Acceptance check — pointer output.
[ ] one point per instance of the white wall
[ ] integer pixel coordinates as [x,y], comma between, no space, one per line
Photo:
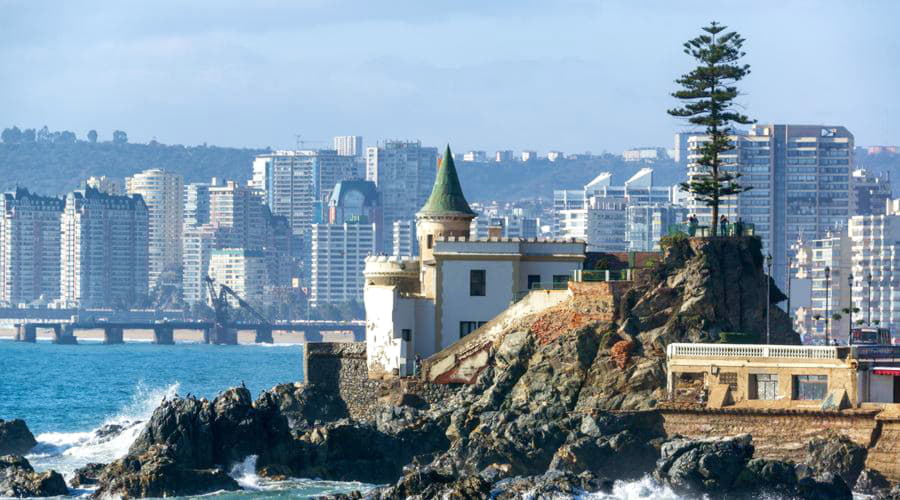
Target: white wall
[457,305]
[387,315]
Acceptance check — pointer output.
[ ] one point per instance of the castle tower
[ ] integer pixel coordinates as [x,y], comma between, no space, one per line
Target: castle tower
[445,214]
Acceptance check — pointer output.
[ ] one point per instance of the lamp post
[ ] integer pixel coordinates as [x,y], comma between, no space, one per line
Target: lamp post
[869,300]
[827,301]
[768,297]
[790,271]
[850,311]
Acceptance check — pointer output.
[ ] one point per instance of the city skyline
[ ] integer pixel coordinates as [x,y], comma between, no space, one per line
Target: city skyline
[480,77]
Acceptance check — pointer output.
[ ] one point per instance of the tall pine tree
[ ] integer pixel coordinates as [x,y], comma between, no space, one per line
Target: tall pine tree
[708,93]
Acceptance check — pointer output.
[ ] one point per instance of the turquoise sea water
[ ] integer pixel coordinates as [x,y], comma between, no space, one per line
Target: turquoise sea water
[66,392]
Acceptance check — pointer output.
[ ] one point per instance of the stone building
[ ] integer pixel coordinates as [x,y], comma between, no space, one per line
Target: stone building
[418,306]
[783,376]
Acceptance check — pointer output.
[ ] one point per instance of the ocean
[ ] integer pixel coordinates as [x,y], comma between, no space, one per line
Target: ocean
[65,393]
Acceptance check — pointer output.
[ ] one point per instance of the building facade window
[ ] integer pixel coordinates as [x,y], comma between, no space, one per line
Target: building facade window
[534,281]
[763,386]
[810,387]
[729,378]
[407,334]
[477,282]
[560,280]
[467,327]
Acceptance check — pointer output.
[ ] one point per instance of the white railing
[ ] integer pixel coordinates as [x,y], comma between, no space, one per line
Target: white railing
[751,351]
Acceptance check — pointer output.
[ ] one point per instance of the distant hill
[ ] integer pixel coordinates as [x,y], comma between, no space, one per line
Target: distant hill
[52,168]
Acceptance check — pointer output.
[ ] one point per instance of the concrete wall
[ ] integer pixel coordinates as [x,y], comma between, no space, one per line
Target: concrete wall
[341,366]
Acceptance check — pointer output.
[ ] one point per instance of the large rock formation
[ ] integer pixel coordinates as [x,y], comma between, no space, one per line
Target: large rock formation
[537,417]
[18,479]
[15,438]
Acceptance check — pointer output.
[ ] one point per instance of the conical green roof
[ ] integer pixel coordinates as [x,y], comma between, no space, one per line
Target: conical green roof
[446,196]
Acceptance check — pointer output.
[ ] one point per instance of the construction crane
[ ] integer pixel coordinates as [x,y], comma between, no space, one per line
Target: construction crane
[224,331]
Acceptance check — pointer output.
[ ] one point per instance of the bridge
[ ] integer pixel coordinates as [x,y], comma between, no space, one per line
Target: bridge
[65,332]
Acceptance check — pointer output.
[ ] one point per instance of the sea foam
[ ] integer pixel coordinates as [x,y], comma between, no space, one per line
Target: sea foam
[67,451]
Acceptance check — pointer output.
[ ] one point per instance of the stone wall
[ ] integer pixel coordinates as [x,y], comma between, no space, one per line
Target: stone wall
[341,366]
[777,434]
[885,455]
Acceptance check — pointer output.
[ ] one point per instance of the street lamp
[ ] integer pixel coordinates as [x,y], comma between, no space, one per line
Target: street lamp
[869,300]
[850,311]
[827,301]
[768,297]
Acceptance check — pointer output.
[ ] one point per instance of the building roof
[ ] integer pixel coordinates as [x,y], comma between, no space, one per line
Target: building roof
[447,196]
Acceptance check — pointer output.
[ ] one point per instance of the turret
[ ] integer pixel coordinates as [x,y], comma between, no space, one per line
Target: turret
[446,213]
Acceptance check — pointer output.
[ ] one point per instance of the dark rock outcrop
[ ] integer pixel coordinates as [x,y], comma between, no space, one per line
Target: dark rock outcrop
[18,479]
[159,472]
[15,438]
[87,475]
[837,454]
[723,467]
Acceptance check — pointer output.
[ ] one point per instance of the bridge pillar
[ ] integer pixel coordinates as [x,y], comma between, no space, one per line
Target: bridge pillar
[312,334]
[223,335]
[64,335]
[163,335]
[264,335]
[113,335]
[206,336]
[26,333]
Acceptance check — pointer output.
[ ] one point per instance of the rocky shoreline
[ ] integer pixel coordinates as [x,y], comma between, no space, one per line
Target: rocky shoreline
[557,413]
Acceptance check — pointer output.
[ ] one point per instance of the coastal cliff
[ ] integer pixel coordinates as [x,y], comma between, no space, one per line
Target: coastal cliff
[565,404]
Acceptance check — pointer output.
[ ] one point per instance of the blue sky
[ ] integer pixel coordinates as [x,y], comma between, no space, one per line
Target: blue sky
[569,75]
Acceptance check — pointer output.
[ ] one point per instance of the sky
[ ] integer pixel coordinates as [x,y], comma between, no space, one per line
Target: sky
[500,74]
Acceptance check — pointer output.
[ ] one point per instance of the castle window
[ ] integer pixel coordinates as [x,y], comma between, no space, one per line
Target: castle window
[477,282]
[729,378]
[534,281]
[430,241]
[407,334]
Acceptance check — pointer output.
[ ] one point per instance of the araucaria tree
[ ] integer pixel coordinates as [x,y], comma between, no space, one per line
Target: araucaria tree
[708,93]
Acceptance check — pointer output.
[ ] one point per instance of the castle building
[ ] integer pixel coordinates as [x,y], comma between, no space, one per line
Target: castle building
[418,306]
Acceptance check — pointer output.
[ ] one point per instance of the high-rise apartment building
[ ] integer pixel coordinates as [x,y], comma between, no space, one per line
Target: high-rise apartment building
[404,238]
[404,172]
[163,193]
[196,202]
[875,258]
[869,192]
[349,145]
[103,256]
[646,224]
[297,184]
[504,156]
[821,268]
[244,271]
[799,177]
[354,201]
[597,213]
[29,247]
[339,254]
[236,219]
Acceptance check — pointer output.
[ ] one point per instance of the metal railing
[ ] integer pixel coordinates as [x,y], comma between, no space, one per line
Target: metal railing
[587,276]
[728,229]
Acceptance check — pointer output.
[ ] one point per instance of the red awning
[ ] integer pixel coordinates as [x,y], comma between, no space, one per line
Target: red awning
[886,370]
